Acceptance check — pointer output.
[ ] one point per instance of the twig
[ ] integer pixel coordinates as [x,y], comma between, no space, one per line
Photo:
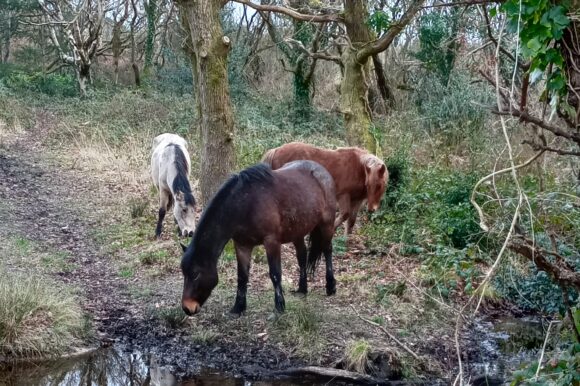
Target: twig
[543,350]
[388,334]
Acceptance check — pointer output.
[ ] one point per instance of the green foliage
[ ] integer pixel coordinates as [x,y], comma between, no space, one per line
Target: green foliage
[532,289]
[563,369]
[454,111]
[379,21]
[398,165]
[540,24]
[49,84]
[438,46]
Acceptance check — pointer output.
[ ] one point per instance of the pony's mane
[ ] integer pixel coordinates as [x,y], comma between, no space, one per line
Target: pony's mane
[371,160]
[257,174]
[181,183]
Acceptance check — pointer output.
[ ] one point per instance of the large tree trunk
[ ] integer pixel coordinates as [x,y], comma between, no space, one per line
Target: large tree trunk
[354,102]
[355,82]
[211,49]
[83,72]
[151,11]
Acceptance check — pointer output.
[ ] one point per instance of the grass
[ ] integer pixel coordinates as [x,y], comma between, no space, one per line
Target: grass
[357,355]
[37,317]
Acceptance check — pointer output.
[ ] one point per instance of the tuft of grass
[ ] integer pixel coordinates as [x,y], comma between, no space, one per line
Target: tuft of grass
[138,207]
[356,356]
[59,261]
[172,316]
[23,244]
[299,326]
[37,317]
[126,272]
[154,257]
[203,335]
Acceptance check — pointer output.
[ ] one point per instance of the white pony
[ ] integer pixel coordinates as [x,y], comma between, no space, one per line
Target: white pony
[170,166]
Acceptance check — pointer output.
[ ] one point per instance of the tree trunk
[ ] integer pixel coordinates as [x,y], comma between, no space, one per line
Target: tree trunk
[150,42]
[211,50]
[355,85]
[7,38]
[83,72]
[354,103]
[302,92]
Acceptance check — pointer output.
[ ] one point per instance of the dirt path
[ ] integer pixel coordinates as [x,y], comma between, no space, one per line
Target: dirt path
[44,205]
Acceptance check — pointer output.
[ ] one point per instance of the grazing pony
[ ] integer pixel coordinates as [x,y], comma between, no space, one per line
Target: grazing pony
[358,175]
[170,166]
[261,206]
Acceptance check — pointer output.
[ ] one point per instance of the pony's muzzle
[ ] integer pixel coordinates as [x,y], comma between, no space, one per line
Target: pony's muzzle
[187,233]
[190,307]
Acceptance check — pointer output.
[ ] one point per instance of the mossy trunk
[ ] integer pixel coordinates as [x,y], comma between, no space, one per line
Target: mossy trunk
[354,103]
[211,48]
[302,93]
[304,33]
[151,11]
[83,73]
[355,82]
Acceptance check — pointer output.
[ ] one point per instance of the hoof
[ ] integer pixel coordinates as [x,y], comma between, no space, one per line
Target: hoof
[234,315]
[299,293]
[331,291]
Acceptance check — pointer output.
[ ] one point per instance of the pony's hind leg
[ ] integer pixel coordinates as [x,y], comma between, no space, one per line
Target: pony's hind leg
[275,264]
[164,199]
[330,280]
[302,256]
[243,255]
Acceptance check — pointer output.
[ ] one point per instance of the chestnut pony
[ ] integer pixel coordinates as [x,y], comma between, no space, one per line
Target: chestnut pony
[261,206]
[358,175]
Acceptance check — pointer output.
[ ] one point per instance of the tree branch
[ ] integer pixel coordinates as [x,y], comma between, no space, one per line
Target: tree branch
[537,146]
[385,41]
[540,123]
[292,13]
[561,273]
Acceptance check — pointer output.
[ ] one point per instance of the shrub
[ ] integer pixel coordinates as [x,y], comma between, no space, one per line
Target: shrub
[63,85]
[37,317]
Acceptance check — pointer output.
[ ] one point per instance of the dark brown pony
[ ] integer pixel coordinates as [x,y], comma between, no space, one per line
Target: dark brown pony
[358,175]
[261,206]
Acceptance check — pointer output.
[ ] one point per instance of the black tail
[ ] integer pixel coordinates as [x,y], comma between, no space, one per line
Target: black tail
[314,251]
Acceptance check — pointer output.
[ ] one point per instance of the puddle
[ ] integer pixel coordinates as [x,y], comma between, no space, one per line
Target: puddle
[504,344]
[111,367]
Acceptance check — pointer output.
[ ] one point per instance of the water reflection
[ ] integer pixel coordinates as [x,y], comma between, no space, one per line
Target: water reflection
[110,367]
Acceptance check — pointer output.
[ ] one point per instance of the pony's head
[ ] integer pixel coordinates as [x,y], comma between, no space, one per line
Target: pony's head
[376,180]
[184,213]
[199,280]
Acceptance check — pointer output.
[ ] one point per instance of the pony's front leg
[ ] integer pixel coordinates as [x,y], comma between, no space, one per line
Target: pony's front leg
[330,280]
[343,203]
[244,257]
[275,264]
[164,198]
[302,256]
[353,212]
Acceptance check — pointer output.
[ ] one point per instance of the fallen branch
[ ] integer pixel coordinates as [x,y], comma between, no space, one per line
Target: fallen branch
[336,375]
[407,349]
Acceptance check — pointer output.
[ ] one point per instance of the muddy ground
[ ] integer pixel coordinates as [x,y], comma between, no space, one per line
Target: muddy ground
[102,222]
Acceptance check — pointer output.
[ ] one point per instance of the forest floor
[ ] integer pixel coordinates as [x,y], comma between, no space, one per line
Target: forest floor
[88,222]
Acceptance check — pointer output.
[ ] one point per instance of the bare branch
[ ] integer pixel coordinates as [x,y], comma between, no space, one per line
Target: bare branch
[323,18]
[385,41]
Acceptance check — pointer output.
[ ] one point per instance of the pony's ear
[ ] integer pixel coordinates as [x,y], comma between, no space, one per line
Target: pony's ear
[382,171]
[183,247]
[179,196]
